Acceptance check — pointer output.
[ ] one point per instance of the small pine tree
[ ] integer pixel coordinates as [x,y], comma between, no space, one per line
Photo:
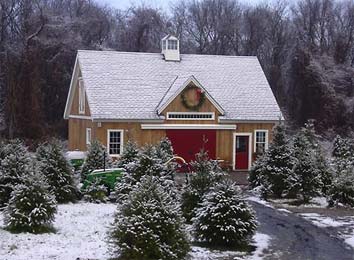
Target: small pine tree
[130,154]
[148,225]
[306,178]
[96,192]
[57,171]
[97,158]
[15,164]
[272,169]
[164,149]
[205,174]
[224,218]
[32,207]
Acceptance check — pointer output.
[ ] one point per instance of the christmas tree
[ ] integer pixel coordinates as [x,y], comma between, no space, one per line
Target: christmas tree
[97,158]
[32,207]
[148,225]
[16,163]
[271,170]
[96,192]
[224,218]
[130,154]
[57,171]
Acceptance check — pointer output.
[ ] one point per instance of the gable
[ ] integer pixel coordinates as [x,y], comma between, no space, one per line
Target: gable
[179,96]
[75,103]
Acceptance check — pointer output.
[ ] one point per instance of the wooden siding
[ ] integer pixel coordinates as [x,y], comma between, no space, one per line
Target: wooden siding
[177,106]
[75,104]
[77,133]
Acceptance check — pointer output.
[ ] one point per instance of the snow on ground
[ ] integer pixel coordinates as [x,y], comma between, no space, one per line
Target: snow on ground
[81,233]
[261,242]
[317,202]
[260,201]
[345,225]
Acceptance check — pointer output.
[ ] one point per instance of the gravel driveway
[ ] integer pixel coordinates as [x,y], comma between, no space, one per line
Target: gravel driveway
[295,238]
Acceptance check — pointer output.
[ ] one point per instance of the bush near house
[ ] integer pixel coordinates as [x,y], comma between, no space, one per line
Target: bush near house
[223,218]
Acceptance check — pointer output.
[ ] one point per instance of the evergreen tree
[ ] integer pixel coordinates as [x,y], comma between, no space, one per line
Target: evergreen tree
[148,163]
[130,154]
[57,171]
[148,225]
[205,174]
[306,179]
[224,218]
[97,158]
[164,149]
[32,207]
[16,163]
[271,170]
[96,192]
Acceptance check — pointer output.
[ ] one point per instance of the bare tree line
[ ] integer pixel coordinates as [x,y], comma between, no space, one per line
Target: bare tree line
[306,50]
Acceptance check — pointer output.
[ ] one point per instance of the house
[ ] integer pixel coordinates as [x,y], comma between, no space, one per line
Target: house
[221,103]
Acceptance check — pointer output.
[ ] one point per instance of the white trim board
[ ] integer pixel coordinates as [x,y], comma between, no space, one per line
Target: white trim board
[80,117]
[211,114]
[188,126]
[249,149]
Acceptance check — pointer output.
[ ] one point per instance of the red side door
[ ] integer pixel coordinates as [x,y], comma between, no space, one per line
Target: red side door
[242,152]
[186,143]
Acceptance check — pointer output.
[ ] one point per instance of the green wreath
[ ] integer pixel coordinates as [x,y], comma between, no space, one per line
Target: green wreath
[185,102]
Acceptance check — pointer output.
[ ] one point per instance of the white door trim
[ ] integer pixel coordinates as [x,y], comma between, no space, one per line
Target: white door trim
[249,149]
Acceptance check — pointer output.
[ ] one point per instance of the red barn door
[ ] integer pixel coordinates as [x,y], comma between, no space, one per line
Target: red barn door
[186,143]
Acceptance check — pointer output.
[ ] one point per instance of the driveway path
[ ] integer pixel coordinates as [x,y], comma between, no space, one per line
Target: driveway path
[295,238]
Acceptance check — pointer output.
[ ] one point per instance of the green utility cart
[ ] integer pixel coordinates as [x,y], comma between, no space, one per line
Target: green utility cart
[76,158]
[107,177]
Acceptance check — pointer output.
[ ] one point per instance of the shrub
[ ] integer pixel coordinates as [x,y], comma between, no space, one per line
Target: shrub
[96,192]
[15,164]
[224,218]
[205,174]
[148,225]
[342,189]
[97,158]
[57,171]
[32,207]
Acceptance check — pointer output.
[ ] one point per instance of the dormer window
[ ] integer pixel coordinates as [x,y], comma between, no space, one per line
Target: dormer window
[172,44]
[81,97]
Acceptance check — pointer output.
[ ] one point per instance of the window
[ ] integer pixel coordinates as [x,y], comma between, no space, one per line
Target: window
[164,45]
[114,142]
[88,136]
[81,97]
[261,141]
[190,116]
[172,44]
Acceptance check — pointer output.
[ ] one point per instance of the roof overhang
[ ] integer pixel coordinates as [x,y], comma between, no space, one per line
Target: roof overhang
[188,126]
[70,97]
[190,80]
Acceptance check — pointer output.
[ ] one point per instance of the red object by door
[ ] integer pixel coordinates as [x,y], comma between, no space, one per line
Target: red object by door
[186,143]
[242,152]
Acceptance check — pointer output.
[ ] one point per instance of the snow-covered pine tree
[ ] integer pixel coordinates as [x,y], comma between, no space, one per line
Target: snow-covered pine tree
[148,225]
[148,163]
[306,178]
[96,192]
[206,173]
[15,164]
[57,171]
[130,154]
[224,218]
[97,158]
[164,149]
[32,207]
[273,168]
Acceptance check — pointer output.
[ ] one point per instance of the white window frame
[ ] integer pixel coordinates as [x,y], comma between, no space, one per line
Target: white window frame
[266,143]
[88,136]
[82,97]
[109,131]
[212,114]
[171,44]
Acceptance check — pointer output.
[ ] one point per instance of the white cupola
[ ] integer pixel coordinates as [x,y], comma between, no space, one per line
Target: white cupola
[170,48]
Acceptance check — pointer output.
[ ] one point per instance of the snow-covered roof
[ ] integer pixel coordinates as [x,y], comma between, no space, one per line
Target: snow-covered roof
[128,85]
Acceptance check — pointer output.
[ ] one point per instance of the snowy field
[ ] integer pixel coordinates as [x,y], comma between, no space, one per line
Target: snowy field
[81,232]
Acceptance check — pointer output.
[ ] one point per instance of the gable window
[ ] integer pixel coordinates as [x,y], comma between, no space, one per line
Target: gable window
[190,116]
[172,44]
[81,97]
[88,136]
[115,142]
[261,141]
[164,45]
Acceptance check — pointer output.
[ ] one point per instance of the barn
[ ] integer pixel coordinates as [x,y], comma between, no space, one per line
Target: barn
[223,104]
